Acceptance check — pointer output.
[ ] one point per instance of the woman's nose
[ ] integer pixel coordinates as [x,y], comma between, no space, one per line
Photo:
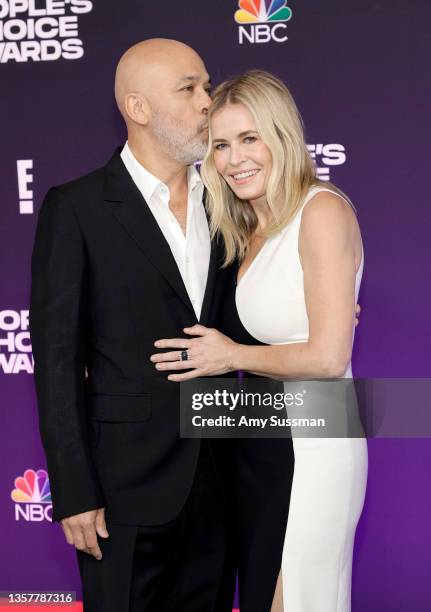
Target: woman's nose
[236,155]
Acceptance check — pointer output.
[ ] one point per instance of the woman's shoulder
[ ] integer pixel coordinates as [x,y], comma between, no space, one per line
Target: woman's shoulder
[329,213]
[323,202]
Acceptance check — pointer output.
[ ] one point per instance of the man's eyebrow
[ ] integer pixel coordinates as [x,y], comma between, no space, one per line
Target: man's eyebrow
[240,135]
[192,79]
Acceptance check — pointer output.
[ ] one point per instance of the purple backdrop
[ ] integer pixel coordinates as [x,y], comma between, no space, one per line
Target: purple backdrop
[360,75]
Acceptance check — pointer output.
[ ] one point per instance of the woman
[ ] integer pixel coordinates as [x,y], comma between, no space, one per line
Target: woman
[296,251]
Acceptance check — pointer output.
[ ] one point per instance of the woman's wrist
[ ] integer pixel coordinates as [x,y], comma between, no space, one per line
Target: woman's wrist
[234,357]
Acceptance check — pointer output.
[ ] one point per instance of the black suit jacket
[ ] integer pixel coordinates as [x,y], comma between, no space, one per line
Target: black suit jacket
[105,285]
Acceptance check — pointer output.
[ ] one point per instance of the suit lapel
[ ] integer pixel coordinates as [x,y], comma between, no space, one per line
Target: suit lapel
[133,213]
[211,280]
[209,289]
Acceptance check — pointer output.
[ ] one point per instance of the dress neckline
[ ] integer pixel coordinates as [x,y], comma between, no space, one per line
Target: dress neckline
[238,282]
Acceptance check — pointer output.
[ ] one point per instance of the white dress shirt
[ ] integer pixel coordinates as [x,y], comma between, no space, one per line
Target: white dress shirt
[191,251]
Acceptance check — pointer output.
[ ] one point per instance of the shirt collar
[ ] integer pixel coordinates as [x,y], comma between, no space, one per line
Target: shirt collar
[147,183]
[193,178]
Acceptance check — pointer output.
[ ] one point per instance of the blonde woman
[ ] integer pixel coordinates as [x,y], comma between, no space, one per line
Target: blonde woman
[295,247]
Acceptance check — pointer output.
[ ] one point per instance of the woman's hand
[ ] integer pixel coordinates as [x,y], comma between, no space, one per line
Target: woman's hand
[209,354]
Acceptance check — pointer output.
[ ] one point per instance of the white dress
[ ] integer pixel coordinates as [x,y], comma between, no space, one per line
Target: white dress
[330,475]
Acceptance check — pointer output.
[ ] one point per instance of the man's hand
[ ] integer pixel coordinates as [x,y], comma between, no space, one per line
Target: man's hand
[81,530]
[357,313]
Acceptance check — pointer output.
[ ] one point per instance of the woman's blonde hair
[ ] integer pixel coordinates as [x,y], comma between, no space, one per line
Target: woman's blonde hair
[280,127]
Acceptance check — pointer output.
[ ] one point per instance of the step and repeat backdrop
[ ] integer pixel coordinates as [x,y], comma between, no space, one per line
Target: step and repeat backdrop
[359,71]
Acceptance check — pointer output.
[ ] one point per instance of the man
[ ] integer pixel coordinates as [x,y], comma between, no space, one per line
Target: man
[122,256]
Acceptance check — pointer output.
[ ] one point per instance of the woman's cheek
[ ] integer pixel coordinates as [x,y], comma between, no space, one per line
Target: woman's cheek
[217,164]
[220,164]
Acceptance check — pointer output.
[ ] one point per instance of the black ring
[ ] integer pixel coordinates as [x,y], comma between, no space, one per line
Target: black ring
[184,356]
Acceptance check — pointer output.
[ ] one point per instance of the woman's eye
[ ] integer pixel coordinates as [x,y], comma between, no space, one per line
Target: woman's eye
[188,88]
[220,147]
[250,139]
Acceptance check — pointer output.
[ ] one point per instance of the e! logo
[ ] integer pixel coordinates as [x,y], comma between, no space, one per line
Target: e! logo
[25,178]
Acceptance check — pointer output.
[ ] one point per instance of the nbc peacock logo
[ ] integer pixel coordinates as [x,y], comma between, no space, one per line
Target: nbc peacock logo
[265,20]
[32,496]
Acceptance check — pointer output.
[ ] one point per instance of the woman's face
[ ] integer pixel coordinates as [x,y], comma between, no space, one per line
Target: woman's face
[240,156]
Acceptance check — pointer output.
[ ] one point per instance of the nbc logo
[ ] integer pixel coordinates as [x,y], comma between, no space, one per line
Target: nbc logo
[32,496]
[265,20]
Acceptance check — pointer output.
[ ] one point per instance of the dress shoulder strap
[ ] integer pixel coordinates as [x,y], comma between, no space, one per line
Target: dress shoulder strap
[316,188]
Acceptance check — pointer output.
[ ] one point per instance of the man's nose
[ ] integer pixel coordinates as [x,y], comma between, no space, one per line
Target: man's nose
[205,102]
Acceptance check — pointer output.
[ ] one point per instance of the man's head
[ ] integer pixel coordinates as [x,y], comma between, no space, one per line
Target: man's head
[162,92]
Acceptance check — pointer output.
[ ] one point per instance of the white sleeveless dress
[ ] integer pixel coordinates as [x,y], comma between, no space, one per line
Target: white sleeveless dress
[330,475]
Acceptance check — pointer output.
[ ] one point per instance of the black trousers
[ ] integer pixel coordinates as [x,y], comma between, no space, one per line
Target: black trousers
[182,566]
[263,482]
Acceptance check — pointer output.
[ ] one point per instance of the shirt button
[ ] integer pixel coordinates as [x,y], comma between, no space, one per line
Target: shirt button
[188,259]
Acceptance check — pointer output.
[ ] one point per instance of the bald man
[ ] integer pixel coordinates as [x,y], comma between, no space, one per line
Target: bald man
[122,256]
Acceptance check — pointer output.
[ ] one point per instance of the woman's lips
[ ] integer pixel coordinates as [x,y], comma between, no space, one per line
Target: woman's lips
[245,176]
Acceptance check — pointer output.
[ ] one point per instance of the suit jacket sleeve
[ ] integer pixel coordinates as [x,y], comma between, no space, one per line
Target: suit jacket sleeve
[58,321]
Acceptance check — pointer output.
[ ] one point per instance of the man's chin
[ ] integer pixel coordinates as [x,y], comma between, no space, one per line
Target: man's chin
[202,139]
[197,152]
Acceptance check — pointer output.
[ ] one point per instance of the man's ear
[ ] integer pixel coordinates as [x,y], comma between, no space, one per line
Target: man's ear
[137,108]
